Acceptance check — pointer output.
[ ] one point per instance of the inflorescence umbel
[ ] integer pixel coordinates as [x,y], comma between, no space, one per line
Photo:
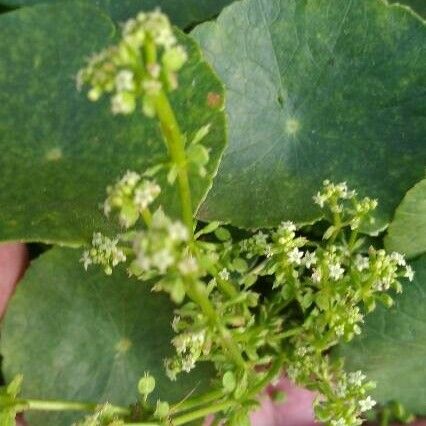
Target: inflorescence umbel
[255,304]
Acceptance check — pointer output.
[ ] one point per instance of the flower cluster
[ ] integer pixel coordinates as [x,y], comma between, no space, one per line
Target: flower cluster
[318,294]
[160,252]
[190,346]
[345,400]
[105,415]
[104,252]
[142,64]
[344,206]
[131,196]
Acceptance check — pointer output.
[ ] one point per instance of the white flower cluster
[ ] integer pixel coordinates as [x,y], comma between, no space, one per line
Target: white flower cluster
[333,191]
[147,41]
[104,252]
[386,269]
[160,248]
[130,196]
[190,346]
[334,196]
[346,401]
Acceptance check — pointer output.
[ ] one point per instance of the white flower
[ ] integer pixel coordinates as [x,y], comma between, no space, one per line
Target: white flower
[316,275]
[123,103]
[165,38]
[129,179]
[175,323]
[336,271]
[86,259]
[146,193]
[188,266]
[409,273]
[320,199]
[288,226]
[178,232]
[338,422]
[295,256]
[124,81]
[367,404]
[356,378]
[398,258]
[340,330]
[361,262]
[310,259]
[162,260]
[224,274]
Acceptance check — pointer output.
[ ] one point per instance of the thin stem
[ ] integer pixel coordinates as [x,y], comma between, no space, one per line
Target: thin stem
[290,332]
[196,401]
[273,371]
[146,216]
[57,405]
[352,239]
[198,296]
[175,145]
[202,412]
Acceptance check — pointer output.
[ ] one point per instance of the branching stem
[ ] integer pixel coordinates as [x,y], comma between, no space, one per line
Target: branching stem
[175,144]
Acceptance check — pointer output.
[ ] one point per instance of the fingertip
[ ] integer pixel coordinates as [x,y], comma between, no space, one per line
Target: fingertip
[13,262]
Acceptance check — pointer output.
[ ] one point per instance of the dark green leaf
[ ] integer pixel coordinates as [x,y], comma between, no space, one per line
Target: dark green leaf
[392,347]
[84,336]
[418,6]
[182,12]
[316,89]
[58,150]
[407,232]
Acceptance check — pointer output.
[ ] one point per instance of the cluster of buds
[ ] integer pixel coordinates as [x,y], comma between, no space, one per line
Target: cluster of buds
[131,196]
[141,65]
[104,252]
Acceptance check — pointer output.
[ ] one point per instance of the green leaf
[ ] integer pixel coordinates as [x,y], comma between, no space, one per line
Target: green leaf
[84,336]
[60,151]
[317,89]
[407,232]
[392,347]
[182,12]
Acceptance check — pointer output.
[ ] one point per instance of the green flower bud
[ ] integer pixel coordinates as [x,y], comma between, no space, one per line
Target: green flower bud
[146,385]
[162,410]
[174,58]
[229,382]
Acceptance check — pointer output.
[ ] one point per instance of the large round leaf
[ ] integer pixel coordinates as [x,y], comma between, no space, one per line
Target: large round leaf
[392,347]
[407,232]
[181,12]
[317,89]
[84,336]
[58,150]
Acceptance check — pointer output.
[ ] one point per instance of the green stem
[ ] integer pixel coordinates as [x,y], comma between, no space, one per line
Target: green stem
[202,412]
[290,332]
[198,295]
[191,403]
[262,383]
[56,405]
[352,239]
[175,145]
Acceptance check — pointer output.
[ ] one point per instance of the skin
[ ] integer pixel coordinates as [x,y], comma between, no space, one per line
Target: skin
[296,411]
